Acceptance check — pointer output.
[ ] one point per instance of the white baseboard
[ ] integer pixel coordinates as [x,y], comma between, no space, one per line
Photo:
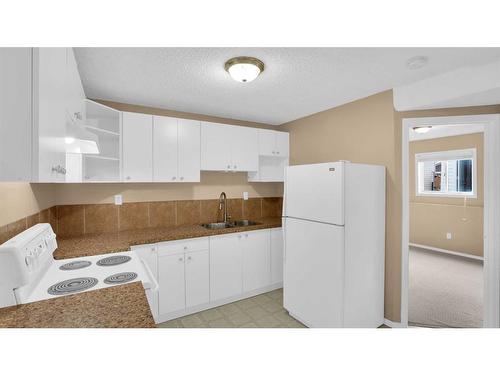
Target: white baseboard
[191,310]
[390,323]
[449,252]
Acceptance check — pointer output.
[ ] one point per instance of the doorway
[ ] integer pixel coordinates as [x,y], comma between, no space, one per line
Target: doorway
[450,286]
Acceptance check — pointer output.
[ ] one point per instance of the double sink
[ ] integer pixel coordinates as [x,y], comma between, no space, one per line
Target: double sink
[230,224]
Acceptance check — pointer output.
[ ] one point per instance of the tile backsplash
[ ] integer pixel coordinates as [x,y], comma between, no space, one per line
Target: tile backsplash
[74,220]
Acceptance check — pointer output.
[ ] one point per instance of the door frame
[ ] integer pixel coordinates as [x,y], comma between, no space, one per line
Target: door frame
[491,224]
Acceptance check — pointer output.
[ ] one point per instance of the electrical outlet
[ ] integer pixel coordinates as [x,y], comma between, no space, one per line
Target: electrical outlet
[118,200]
[245,195]
[448,236]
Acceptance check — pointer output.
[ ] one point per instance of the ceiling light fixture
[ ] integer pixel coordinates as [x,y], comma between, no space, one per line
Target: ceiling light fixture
[422,129]
[244,68]
[417,62]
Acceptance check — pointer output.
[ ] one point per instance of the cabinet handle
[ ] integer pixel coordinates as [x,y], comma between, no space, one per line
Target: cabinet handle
[228,167]
[173,178]
[239,235]
[127,178]
[185,247]
[274,152]
[235,166]
[152,249]
[181,259]
[246,235]
[182,178]
[189,258]
[278,152]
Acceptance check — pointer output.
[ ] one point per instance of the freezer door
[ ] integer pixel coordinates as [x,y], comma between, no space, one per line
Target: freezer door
[315,192]
[313,277]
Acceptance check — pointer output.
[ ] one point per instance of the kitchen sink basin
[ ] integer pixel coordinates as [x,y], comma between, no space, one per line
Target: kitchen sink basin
[243,223]
[217,225]
[230,224]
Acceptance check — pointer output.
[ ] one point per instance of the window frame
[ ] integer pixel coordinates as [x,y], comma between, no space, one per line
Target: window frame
[469,153]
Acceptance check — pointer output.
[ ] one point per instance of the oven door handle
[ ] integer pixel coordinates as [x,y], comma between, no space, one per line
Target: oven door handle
[151,277]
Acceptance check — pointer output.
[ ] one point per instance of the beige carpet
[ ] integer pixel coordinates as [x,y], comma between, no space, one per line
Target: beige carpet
[445,290]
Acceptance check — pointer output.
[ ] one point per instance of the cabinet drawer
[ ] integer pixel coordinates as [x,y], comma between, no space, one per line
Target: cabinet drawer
[181,246]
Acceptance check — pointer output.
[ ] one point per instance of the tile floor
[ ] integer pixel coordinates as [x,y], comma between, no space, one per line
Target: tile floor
[262,311]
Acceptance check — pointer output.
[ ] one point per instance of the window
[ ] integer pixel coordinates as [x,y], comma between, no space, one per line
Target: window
[447,173]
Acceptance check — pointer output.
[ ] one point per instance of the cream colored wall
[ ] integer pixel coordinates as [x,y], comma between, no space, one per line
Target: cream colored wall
[19,199]
[432,217]
[362,131]
[211,185]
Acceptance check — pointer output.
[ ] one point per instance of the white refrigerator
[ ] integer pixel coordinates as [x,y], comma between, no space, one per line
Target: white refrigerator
[334,238]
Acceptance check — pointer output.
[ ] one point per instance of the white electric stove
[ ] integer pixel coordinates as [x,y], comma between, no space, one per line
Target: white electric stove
[29,272]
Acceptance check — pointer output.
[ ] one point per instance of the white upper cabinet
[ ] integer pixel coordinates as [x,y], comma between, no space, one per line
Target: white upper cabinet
[15,114]
[176,150]
[188,141]
[165,149]
[137,142]
[215,147]
[229,148]
[49,114]
[244,149]
[273,143]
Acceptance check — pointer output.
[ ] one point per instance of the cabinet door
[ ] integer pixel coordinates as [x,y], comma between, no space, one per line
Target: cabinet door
[164,148]
[267,142]
[225,267]
[256,259]
[15,114]
[137,156]
[282,144]
[215,147]
[244,148]
[276,256]
[49,78]
[75,94]
[189,150]
[197,278]
[171,280]
[149,255]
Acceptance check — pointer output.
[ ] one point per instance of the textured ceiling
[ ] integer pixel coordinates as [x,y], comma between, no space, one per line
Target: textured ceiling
[296,82]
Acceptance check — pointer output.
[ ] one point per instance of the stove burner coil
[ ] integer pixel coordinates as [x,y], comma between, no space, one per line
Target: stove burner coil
[113,260]
[72,286]
[75,265]
[120,278]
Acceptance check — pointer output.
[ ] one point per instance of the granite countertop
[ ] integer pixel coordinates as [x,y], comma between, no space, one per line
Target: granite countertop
[123,306]
[95,244]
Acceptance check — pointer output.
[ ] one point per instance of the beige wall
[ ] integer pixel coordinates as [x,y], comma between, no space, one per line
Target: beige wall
[432,217]
[211,185]
[19,199]
[368,130]
[362,131]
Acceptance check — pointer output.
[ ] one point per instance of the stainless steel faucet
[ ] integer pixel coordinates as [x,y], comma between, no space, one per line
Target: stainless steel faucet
[223,200]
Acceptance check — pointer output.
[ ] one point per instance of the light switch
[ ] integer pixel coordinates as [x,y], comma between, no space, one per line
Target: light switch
[118,200]
[448,236]
[245,195]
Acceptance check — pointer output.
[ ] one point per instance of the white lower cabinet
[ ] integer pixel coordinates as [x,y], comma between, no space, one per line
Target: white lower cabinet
[201,273]
[171,280]
[197,278]
[276,255]
[256,259]
[226,274]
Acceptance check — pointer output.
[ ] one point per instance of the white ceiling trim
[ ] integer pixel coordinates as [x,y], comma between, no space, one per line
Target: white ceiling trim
[468,86]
